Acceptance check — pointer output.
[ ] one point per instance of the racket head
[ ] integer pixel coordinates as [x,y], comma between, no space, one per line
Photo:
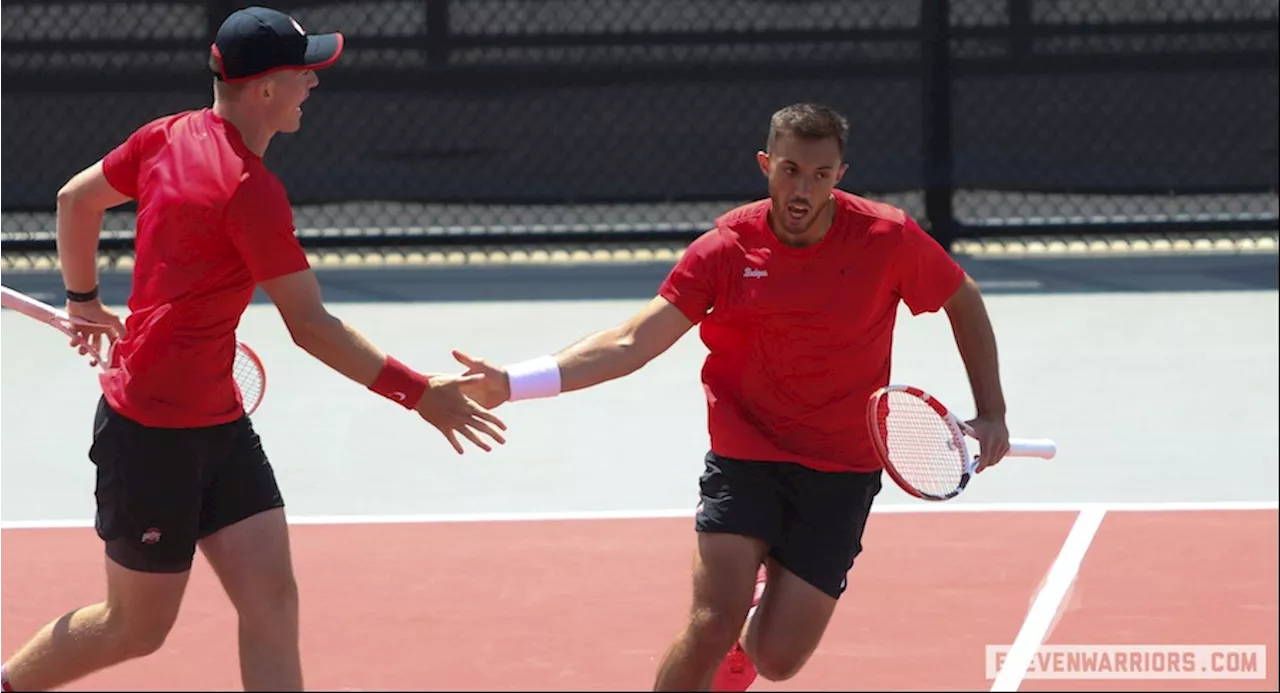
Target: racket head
[250,377]
[920,443]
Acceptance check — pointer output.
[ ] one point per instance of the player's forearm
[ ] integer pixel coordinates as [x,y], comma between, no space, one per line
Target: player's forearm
[976,341]
[340,347]
[78,227]
[603,356]
[345,350]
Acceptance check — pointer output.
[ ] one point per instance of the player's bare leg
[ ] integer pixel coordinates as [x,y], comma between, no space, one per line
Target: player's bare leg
[134,621]
[724,578]
[252,559]
[787,625]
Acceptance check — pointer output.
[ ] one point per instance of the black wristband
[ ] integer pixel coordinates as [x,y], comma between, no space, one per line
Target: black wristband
[77,297]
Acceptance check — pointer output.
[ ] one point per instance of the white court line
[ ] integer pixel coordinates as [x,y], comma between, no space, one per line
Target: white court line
[901,508]
[1044,611]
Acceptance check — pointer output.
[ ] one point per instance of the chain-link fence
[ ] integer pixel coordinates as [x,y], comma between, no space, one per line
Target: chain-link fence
[546,119]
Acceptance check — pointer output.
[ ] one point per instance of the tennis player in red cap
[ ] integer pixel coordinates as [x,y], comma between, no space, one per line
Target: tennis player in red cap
[178,462]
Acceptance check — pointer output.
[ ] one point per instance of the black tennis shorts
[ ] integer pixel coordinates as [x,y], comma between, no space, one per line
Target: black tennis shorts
[813,521]
[161,490]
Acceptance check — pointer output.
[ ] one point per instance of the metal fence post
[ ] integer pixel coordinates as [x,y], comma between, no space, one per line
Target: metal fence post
[935,25]
[437,33]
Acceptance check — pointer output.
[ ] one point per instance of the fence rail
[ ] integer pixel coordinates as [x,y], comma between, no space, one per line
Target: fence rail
[546,121]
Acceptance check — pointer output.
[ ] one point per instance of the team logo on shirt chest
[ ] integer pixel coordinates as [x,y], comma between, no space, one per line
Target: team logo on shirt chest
[755,261]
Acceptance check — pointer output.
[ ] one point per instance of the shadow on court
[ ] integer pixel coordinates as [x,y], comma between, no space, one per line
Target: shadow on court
[1244,272]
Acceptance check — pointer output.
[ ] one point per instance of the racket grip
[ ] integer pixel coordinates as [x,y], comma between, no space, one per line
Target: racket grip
[1039,447]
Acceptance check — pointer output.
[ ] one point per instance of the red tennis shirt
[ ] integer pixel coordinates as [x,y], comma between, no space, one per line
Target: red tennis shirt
[799,338]
[212,223]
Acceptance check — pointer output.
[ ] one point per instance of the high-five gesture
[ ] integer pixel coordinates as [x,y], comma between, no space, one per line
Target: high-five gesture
[485,383]
[445,404]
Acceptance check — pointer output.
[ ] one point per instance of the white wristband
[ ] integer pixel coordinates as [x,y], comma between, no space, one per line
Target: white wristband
[534,379]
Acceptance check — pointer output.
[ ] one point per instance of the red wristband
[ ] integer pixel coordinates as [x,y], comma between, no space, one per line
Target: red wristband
[399,383]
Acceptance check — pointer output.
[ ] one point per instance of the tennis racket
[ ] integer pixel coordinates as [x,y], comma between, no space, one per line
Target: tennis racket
[922,444]
[250,376]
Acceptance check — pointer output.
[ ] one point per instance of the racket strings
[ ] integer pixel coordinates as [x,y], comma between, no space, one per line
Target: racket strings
[919,444]
[248,379]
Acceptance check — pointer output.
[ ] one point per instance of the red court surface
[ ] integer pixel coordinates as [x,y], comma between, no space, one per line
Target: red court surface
[1170,578]
[591,605]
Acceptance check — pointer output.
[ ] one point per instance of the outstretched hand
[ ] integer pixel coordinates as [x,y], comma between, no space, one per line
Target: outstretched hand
[446,406]
[487,384]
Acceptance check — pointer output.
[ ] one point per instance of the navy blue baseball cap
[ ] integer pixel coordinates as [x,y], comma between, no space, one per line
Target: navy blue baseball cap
[256,41]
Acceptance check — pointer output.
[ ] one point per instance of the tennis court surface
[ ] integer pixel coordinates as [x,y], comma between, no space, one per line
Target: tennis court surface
[588,604]
[561,561]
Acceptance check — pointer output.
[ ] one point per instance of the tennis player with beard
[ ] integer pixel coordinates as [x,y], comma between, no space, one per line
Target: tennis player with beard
[797,297]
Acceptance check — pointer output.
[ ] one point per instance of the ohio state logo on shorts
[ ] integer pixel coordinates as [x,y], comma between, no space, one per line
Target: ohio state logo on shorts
[151,536]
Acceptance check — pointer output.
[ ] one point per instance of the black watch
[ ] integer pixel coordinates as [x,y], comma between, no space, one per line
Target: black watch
[77,297]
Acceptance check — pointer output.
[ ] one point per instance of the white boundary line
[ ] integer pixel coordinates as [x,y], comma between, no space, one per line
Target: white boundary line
[900,508]
[1048,602]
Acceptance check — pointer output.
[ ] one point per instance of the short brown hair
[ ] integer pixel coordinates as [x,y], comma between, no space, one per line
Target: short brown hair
[810,121]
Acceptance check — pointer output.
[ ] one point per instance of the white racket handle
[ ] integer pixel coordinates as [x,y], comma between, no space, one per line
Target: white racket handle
[1043,448]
